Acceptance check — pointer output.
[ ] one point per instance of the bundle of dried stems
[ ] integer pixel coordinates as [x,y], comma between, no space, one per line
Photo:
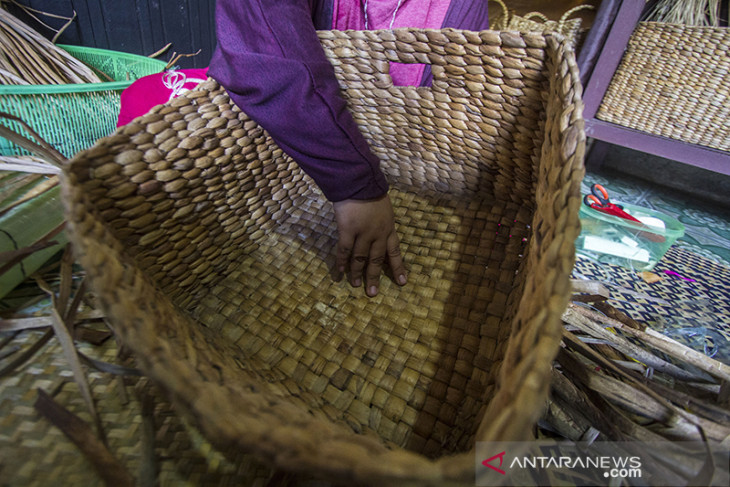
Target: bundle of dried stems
[616,379]
[687,12]
[28,58]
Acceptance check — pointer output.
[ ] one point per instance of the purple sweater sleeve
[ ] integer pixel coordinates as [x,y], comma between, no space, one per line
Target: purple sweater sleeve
[270,61]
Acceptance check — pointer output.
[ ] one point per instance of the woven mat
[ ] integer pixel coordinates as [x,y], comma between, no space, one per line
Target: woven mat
[691,302]
[35,453]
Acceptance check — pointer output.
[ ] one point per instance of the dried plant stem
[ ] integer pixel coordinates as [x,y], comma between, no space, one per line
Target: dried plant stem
[688,12]
[62,332]
[26,355]
[36,191]
[41,148]
[12,262]
[17,324]
[666,345]
[21,253]
[28,56]
[27,165]
[575,315]
[109,468]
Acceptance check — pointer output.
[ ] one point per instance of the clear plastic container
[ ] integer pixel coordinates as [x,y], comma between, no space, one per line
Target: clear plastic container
[640,246]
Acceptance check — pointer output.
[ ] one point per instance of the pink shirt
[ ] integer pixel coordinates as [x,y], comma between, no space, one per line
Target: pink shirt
[156,89]
[391,14]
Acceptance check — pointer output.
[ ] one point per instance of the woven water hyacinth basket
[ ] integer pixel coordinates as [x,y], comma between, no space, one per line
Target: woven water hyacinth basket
[674,81]
[211,253]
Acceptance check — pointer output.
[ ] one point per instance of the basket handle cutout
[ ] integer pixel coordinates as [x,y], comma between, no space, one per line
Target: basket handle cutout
[373,53]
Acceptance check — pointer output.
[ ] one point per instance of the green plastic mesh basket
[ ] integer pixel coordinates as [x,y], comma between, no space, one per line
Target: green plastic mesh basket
[72,117]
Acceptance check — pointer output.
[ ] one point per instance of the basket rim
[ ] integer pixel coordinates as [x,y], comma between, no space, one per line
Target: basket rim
[80,87]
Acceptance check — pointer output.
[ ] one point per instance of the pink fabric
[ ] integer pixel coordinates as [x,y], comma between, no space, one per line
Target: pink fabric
[427,14]
[156,89]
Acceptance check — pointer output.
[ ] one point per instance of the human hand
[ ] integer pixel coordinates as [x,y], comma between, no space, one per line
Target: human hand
[366,238]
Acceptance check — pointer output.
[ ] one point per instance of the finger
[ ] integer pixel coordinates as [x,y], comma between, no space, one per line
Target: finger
[344,250]
[396,260]
[358,259]
[376,259]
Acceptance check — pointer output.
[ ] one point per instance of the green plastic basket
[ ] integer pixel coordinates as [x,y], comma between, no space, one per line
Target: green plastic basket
[72,117]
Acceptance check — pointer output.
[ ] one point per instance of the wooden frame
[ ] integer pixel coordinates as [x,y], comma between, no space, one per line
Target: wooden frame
[604,133]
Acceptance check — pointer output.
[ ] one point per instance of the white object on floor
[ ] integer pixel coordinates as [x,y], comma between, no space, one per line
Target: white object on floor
[597,244]
[651,221]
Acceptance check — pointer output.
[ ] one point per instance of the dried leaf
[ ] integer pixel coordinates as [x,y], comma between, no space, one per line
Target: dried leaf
[650,277]
[26,355]
[14,261]
[24,252]
[41,148]
[112,472]
[63,335]
[37,322]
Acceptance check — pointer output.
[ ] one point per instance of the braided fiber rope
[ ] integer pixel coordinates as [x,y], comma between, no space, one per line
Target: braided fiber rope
[674,81]
[570,28]
[211,253]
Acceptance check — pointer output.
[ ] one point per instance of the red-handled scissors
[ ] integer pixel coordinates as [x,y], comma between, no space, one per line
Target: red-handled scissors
[599,200]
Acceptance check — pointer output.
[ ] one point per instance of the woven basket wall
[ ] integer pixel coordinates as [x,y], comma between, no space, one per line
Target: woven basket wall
[211,253]
[674,81]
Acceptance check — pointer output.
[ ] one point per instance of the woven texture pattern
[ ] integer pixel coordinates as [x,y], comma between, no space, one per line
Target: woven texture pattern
[211,253]
[674,81]
[35,453]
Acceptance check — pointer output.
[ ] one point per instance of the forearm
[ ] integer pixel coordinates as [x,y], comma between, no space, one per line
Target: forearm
[273,66]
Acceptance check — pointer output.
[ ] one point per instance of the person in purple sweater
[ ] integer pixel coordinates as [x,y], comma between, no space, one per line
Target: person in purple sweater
[270,61]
